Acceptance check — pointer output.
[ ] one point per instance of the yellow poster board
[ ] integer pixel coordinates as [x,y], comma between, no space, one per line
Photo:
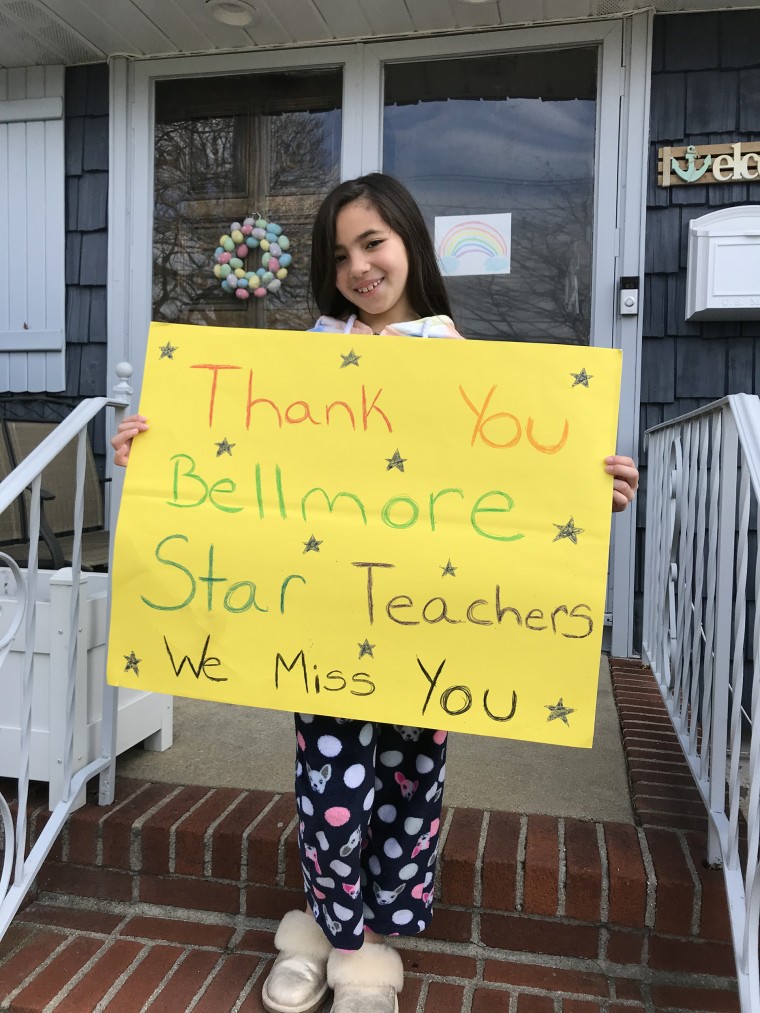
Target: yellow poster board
[411,531]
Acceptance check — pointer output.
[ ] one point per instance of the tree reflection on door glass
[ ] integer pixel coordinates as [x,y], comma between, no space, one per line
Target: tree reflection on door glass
[227,148]
[516,134]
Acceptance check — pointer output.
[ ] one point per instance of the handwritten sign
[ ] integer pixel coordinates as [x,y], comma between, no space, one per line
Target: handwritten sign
[406,530]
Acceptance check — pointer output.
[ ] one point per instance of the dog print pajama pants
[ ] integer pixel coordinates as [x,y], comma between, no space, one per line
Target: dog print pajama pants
[369,806]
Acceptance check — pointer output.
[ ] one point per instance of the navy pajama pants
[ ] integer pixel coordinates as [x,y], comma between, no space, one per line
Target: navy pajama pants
[369,806]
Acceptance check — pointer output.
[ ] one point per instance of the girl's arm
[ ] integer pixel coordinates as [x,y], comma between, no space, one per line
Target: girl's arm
[121,442]
[626,481]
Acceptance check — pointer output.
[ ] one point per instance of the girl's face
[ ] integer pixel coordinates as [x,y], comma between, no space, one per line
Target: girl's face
[371,266]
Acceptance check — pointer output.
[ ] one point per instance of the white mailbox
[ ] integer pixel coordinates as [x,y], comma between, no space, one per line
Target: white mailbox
[723,273]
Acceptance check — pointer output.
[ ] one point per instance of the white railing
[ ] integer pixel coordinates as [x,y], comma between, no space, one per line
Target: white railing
[702,634]
[19,867]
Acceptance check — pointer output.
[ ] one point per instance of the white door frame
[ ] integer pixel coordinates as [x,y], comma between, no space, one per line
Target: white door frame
[632,169]
[619,206]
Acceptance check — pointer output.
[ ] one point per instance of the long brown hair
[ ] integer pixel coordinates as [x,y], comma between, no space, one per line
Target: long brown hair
[400,212]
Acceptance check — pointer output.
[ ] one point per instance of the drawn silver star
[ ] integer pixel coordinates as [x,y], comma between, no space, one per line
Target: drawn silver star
[397,461]
[352,359]
[366,648]
[312,545]
[448,570]
[132,661]
[224,448]
[168,350]
[569,530]
[558,710]
[582,378]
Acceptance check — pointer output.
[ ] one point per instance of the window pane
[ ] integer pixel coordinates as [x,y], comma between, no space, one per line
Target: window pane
[506,134]
[227,148]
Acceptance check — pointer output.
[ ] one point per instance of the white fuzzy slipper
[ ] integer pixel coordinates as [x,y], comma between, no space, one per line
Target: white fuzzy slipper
[297,982]
[366,980]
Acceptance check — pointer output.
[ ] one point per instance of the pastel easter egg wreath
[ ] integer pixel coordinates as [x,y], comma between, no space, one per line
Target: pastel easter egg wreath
[232,269]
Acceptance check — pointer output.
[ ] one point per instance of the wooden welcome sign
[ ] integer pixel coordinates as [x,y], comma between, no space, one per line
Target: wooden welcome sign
[404,530]
[693,165]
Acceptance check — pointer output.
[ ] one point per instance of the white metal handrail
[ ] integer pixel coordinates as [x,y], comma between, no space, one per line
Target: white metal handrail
[702,634]
[19,868]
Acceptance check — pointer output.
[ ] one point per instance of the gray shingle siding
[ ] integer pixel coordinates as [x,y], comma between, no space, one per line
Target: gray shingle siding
[86,115]
[705,90]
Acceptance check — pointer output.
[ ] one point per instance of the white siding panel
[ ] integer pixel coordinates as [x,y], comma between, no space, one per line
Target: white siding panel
[523,11]
[482,15]
[113,28]
[438,15]
[32,239]
[229,37]
[300,19]
[344,20]
[4,246]
[35,82]
[37,233]
[179,24]
[54,363]
[26,110]
[5,261]
[18,242]
[388,17]
[267,30]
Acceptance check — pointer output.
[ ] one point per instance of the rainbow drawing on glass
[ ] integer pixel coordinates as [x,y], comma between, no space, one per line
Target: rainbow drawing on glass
[234,271]
[474,245]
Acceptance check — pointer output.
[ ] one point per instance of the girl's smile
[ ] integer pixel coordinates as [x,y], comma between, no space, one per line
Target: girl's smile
[371,266]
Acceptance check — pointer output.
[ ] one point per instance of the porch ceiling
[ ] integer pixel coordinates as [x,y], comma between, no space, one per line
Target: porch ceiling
[49,32]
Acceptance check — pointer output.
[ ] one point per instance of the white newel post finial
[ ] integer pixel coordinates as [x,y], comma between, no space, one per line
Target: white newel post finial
[123,389]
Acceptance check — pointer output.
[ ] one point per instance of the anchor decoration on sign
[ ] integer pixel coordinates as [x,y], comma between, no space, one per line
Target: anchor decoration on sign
[691,173]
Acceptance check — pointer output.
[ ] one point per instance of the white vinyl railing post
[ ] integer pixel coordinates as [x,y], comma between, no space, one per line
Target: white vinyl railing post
[697,646]
[724,596]
[68,691]
[120,401]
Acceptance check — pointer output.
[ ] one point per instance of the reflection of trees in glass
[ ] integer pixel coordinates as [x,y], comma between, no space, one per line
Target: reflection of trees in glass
[305,151]
[547,296]
[509,133]
[205,169]
[193,159]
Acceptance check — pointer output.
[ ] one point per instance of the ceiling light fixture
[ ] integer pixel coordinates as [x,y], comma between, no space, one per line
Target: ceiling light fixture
[238,13]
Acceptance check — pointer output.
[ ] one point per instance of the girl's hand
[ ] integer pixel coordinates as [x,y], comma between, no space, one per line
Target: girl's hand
[626,481]
[130,427]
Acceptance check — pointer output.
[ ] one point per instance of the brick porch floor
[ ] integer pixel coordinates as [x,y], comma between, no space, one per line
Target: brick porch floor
[168,900]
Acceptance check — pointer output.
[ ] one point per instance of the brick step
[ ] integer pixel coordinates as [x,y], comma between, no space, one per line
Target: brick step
[100,956]
[519,898]
[178,889]
[235,853]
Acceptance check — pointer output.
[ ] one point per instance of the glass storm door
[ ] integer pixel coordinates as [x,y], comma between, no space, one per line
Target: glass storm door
[509,135]
[512,150]
[502,151]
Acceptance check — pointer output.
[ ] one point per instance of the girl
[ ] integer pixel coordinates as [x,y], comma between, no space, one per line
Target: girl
[369,795]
